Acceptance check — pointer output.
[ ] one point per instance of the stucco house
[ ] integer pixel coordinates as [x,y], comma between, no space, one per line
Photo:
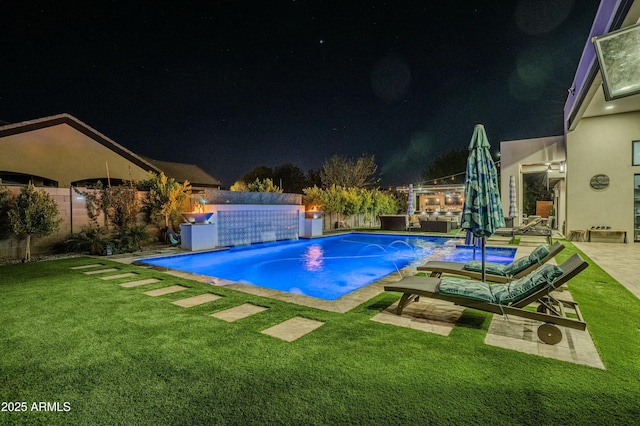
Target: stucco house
[594,166]
[61,151]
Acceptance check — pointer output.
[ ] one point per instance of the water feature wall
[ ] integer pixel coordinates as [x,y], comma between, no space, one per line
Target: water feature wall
[238,227]
[241,224]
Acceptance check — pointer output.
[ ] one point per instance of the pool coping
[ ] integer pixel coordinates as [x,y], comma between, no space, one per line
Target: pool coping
[341,305]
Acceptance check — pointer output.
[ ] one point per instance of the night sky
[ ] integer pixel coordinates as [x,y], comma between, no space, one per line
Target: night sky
[230,85]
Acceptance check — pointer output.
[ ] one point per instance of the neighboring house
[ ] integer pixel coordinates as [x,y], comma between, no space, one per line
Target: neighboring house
[61,151]
[595,165]
[198,178]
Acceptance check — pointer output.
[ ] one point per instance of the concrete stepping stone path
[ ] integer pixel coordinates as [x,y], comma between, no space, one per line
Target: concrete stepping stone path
[101,271]
[115,277]
[93,265]
[165,290]
[132,284]
[239,312]
[431,316]
[196,300]
[293,328]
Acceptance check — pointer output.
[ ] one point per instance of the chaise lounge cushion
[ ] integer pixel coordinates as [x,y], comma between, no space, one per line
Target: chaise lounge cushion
[517,266]
[469,289]
[539,253]
[512,268]
[516,290]
[489,267]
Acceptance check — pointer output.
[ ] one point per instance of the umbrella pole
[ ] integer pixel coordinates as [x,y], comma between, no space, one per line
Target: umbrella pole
[483,261]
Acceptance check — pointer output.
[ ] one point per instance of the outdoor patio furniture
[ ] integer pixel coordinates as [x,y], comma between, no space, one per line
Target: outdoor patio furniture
[495,272]
[533,228]
[506,299]
[617,234]
[394,222]
[578,235]
[435,226]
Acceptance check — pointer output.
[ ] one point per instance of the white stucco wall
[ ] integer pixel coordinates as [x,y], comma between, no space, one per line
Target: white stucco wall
[516,153]
[602,145]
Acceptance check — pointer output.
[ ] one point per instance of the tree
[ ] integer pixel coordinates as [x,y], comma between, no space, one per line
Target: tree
[35,214]
[123,206]
[166,199]
[5,207]
[290,177]
[349,173]
[452,163]
[265,185]
[314,178]
[96,203]
[313,198]
[258,172]
[239,186]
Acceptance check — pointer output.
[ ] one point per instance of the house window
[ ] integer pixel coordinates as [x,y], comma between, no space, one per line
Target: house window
[636,153]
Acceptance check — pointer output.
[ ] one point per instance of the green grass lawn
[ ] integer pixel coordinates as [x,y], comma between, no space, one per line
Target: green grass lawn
[117,356]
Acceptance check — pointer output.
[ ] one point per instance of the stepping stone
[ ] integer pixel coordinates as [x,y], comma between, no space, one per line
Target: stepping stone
[165,290]
[93,265]
[115,277]
[239,312]
[101,271]
[293,329]
[431,316]
[196,300]
[132,284]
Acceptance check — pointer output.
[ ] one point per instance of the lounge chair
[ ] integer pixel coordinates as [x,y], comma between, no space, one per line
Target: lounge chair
[533,228]
[495,272]
[507,299]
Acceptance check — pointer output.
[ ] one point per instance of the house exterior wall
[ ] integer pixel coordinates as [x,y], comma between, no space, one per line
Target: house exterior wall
[516,153]
[602,145]
[64,154]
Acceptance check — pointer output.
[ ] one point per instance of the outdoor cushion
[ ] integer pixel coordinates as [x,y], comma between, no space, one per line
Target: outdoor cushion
[539,253]
[489,267]
[469,289]
[517,266]
[527,285]
[512,268]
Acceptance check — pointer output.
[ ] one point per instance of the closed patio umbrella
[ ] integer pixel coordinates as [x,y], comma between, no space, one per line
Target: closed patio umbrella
[513,208]
[471,240]
[410,208]
[482,212]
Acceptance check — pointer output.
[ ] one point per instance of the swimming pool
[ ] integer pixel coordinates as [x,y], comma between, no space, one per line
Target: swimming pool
[326,268]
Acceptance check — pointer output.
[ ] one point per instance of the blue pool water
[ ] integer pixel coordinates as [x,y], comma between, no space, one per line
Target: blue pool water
[328,267]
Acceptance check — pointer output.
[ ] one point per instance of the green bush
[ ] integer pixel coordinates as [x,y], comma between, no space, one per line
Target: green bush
[95,240]
[91,239]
